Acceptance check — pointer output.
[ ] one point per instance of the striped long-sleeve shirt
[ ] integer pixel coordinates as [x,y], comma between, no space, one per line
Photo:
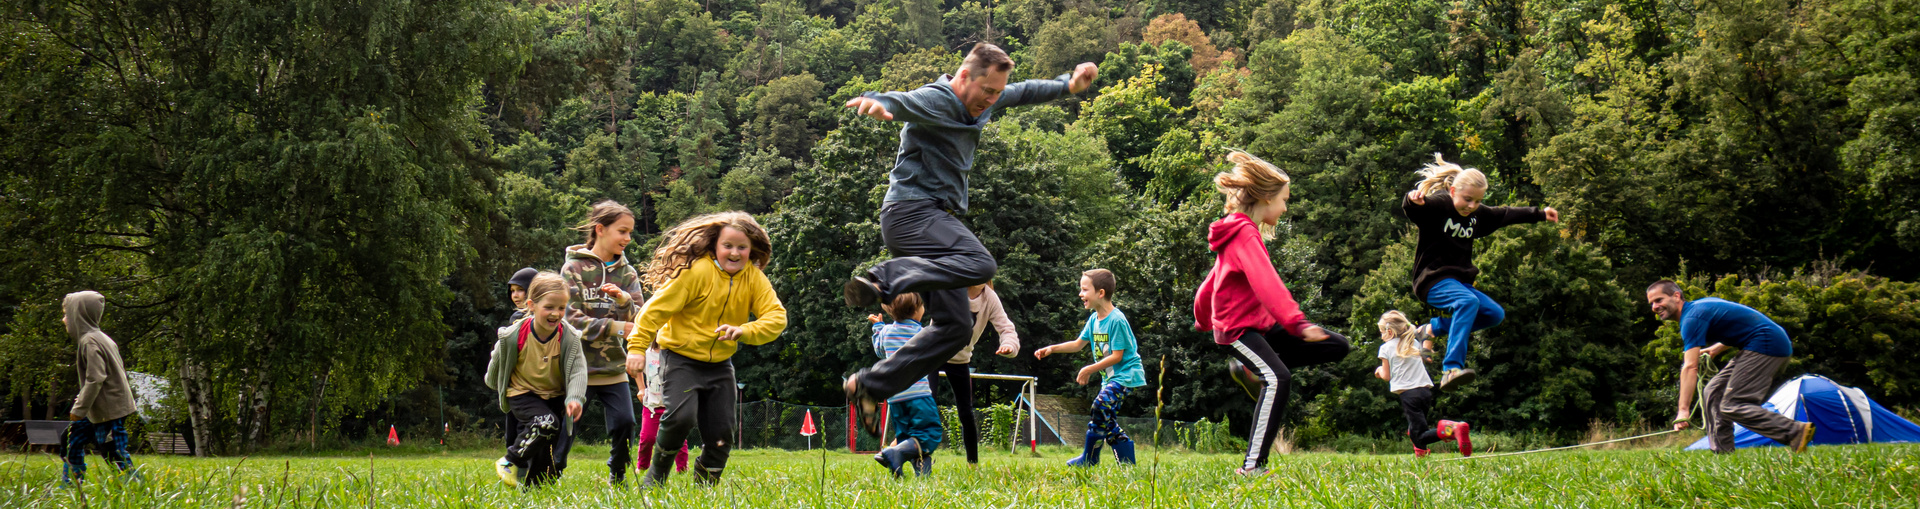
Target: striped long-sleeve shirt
[888,338]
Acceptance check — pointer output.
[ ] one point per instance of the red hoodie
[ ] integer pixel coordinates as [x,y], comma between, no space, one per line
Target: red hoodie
[1243,290]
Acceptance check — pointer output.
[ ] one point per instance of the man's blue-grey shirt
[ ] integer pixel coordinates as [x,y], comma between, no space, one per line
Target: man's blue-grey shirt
[938,142]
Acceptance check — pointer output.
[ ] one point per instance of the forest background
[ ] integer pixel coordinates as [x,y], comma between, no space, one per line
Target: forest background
[303,212]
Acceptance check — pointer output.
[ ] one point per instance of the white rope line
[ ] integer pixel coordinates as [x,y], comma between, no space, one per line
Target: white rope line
[1654,434]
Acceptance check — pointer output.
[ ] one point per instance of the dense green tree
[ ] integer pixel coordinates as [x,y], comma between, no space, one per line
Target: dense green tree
[294,204]
[1174,74]
[786,112]
[1068,39]
[1131,117]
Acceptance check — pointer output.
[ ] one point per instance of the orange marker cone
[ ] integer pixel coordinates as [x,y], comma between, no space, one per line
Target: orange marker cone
[393,435]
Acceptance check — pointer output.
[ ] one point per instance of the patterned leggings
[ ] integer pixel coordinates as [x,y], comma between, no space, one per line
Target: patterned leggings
[109,439]
[1106,413]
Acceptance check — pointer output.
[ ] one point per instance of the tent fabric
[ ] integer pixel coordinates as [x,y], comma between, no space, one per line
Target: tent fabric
[1840,415]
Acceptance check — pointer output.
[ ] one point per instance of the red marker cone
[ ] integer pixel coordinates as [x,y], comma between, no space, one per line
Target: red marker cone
[393,435]
[806,427]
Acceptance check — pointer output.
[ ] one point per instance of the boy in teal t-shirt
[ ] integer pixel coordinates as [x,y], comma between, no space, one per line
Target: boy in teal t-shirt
[1119,363]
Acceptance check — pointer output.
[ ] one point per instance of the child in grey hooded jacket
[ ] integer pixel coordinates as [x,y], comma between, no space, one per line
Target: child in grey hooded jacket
[100,410]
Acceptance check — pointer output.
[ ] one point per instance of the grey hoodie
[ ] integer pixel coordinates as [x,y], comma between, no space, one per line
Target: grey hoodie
[939,140]
[105,394]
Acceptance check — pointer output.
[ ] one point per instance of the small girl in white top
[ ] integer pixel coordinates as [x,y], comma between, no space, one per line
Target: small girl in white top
[1403,366]
[653,406]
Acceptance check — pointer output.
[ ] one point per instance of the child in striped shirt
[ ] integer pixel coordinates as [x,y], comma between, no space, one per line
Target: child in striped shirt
[916,420]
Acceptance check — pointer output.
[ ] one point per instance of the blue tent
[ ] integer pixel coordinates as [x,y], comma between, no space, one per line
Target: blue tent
[1840,415]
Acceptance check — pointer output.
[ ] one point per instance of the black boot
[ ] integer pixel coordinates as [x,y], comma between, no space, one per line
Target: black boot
[657,472]
[705,476]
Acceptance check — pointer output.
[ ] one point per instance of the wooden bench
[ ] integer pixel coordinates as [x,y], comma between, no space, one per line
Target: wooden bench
[168,443]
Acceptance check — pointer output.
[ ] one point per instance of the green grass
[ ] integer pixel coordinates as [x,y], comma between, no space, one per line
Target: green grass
[1839,476]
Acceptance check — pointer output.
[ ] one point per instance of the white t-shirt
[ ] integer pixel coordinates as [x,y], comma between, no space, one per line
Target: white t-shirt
[655,396]
[1406,372]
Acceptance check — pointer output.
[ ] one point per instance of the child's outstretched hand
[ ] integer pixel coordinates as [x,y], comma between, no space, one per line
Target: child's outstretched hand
[1552,215]
[1043,352]
[728,332]
[1006,351]
[574,409]
[1417,198]
[873,318]
[1086,374]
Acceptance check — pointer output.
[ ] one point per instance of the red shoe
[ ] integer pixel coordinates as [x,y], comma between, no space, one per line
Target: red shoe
[1420,453]
[1460,435]
[1445,429]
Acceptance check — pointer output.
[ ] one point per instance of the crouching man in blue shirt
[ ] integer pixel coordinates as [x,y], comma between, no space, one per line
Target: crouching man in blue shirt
[1735,394]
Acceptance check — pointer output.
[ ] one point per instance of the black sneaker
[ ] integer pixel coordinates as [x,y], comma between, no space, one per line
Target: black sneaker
[617,479]
[861,292]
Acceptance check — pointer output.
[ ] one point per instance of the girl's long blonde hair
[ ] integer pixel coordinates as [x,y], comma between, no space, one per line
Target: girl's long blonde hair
[697,238]
[1251,181]
[1395,323]
[1441,174]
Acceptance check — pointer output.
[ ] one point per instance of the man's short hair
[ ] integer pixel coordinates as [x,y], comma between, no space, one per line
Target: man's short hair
[1666,286]
[987,57]
[1102,280]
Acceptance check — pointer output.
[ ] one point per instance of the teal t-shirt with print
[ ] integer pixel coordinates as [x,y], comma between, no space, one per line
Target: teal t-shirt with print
[1113,333]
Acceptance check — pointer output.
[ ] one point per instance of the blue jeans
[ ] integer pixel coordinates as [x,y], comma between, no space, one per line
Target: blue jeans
[1468,311]
[109,440]
[918,419]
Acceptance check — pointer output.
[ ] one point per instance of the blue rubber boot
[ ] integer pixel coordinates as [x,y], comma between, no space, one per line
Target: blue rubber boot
[1091,455]
[898,456]
[1123,451]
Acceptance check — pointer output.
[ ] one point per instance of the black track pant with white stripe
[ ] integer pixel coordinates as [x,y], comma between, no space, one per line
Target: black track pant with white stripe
[1269,354]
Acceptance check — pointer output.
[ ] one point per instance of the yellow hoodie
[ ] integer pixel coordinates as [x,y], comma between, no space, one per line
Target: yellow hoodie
[683,316]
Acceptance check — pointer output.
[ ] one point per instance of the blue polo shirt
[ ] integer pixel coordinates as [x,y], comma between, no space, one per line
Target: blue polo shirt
[1712,320]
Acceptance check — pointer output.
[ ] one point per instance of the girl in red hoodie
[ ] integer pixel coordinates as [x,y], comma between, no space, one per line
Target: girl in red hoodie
[1247,307]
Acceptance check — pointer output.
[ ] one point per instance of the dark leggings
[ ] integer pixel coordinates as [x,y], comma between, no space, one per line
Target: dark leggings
[961,378]
[1414,404]
[1269,353]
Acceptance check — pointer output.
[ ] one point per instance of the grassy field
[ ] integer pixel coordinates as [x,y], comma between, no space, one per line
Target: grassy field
[1840,476]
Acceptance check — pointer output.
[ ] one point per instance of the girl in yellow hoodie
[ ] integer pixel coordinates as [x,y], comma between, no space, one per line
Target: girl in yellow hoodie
[709,296]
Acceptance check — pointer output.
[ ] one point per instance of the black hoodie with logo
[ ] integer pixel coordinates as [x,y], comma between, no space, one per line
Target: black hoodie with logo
[1446,238]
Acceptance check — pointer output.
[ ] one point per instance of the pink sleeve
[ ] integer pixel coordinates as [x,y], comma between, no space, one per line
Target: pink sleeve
[997,315]
[1251,257]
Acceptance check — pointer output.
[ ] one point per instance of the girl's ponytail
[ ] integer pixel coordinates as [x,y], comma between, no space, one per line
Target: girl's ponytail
[1395,324]
[605,214]
[1441,174]
[1251,181]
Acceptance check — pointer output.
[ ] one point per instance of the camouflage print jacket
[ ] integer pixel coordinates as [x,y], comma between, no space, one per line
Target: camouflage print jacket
[594,312]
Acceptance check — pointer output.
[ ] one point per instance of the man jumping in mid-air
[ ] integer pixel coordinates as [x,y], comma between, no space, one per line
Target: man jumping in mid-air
[935,255]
